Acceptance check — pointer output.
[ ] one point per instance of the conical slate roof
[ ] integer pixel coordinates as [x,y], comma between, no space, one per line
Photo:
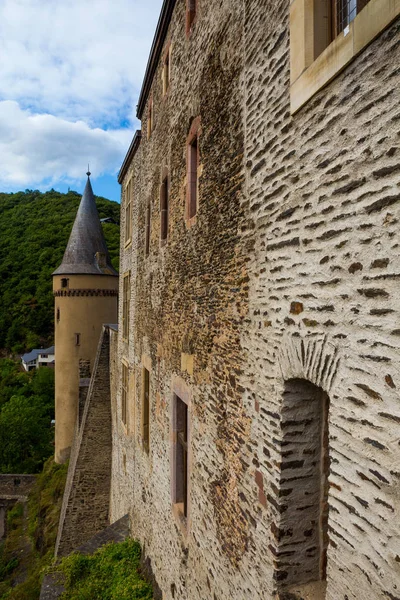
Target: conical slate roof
[86,252]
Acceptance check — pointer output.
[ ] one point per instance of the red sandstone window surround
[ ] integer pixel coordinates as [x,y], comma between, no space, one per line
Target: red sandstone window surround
[180,457]
[128,212]
[146,409]
[192,168]
[166,72]
[124,393]
[126,292]
[150,118]
[191,10]
[147,232]
[164,202]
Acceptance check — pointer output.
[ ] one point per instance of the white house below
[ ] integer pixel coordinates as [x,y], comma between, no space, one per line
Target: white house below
[38,357]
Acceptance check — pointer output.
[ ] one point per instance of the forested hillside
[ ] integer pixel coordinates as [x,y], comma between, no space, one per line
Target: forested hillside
[34,231]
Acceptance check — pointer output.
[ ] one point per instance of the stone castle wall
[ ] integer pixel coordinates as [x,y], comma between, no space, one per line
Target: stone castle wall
[16,485]
[289,273]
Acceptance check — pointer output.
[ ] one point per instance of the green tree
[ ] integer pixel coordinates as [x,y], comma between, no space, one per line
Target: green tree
[25,435]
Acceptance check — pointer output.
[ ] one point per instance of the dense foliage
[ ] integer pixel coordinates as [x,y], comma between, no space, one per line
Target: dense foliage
[112,573]
[26,411]
[28,549]
[34,231]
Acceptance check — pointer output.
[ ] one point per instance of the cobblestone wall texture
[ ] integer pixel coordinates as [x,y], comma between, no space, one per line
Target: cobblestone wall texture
[291,272]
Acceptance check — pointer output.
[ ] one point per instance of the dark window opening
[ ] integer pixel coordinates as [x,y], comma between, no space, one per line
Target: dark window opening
[64,283]
[58,314]
[77,339]
[302,541]
[164,209]
[146,410]
[147,237]
[124,395]
[126,295]
[192,177]
[166,73]
[181,455]
[190,14]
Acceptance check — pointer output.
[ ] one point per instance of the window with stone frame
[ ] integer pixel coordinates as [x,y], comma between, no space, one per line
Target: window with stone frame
[166,71]
[164,202]
[343,12]
[124,393]
[64,282]
[146,409]
[150,118]
[180,466]
[128,212]
[191,10]
[327,35]
[126,297]
[147,230]
[192,171]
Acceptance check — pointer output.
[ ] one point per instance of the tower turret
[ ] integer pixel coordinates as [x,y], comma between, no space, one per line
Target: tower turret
[85,288]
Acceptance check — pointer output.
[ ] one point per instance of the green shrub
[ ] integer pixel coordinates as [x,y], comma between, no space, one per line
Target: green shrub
[112,573]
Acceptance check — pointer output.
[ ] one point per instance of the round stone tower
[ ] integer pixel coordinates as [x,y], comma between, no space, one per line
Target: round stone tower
[85,288]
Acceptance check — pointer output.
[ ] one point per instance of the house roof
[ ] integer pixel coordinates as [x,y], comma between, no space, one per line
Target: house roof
[49,350]
[33,354]
[29,356]
[86,252]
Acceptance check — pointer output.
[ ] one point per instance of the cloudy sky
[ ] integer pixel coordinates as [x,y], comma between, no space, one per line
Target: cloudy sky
[70,77]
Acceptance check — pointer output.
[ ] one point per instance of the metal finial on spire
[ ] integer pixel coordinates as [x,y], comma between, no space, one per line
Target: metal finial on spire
[88,171]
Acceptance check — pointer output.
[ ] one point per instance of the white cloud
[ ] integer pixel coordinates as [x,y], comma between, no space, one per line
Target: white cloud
[41,147]
[75,58]
[68,70]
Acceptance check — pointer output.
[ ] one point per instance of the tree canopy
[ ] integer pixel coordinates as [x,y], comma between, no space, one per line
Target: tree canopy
[26,411]
[34,231]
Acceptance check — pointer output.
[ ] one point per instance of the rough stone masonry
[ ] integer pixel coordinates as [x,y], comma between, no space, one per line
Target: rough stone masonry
[273,315]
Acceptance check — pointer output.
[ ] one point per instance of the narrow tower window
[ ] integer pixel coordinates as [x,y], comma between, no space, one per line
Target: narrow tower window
[191,9]
[128,212]
[192,163]
[58,314]
[164,209]
[77,339]
[166,70]
[124,393]
[64,282]
[150,118]
[146,410]
[147,236]
[180,454]
[126,295]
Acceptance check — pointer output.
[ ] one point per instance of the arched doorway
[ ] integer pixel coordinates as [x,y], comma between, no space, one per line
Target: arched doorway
[302,535]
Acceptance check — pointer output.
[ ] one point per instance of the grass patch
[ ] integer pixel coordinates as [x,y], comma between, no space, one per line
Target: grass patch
[112,573]
[28,549]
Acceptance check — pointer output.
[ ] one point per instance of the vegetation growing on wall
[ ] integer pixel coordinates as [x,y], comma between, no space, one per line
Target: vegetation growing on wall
[34,231]
[29,546]
[26,411]
[112,573]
